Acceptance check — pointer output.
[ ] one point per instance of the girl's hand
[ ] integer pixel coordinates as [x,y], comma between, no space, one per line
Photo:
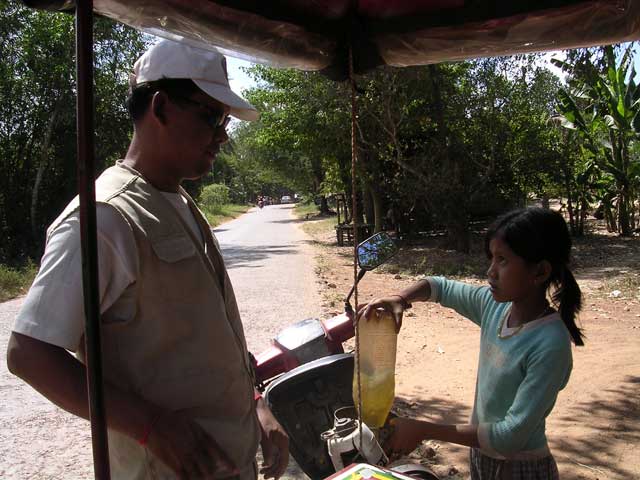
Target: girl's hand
[394,304]
[405,437]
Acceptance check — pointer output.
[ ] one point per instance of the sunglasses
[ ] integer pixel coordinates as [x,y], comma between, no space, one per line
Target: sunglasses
[214,117]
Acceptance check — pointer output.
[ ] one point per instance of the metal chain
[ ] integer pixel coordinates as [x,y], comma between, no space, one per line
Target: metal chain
[354,219]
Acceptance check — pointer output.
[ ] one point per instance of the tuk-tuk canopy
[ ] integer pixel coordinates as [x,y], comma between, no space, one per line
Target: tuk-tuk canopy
[315,34]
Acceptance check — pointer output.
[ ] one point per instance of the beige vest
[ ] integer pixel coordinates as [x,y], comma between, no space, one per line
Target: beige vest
[185,348]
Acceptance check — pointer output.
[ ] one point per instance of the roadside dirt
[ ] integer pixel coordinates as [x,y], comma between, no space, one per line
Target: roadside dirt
[594,430]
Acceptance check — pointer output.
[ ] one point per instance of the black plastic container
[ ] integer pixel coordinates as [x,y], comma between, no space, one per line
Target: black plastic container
[304,401]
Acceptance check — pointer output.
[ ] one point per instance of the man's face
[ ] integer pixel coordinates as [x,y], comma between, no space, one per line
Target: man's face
[197,133]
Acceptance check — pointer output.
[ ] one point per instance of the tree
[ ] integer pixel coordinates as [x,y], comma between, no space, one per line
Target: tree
[437,145]
[37,133]
[601,104]
[302,130]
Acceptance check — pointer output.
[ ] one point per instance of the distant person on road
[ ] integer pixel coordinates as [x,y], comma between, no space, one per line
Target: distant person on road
[180,400]
[525,346]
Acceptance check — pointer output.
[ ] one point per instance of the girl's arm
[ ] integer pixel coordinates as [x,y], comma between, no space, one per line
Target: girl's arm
[408,433]
[418,292]
[468,300]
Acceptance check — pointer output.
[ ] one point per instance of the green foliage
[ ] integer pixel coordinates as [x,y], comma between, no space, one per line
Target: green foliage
[600,108]
[306,209]
[37,132]
[302,131]
[226,212]
[213,197]
[319,228]
[15,281]
[437,145]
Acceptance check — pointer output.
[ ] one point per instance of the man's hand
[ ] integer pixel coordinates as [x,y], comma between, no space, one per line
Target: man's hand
[174,438]
[186,448]
[275,443]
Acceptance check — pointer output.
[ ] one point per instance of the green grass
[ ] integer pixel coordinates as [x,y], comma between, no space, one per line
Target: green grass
[14,282]
[314,225]
[318,228]
[306,209]
[225,213]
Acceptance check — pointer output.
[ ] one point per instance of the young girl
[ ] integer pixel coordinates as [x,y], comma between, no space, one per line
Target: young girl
[525,349]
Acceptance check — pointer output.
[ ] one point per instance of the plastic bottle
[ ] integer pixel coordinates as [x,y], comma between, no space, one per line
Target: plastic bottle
[378,341]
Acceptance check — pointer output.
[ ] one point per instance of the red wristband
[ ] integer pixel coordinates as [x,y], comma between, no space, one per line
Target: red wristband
[144,439]
[257,395]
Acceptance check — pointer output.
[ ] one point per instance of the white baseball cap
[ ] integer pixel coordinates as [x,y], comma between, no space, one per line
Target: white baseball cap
[206,68]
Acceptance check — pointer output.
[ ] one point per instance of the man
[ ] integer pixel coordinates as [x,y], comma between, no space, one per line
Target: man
[179,392]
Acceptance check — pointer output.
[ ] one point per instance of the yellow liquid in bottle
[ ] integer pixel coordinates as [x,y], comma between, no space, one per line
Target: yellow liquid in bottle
[378,340]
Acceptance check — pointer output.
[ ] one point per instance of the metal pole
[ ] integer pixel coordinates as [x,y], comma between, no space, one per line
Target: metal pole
[86,190]
[354,216]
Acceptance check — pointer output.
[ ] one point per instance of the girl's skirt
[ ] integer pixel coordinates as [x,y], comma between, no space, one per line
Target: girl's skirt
[487,468]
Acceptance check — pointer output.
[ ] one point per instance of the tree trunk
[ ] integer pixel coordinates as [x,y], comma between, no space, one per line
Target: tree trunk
[347,206]
[583,216]
[367,203]
[567,186]
[611,218]
[545,201]
[457,221]
[42,165]
[624,217]
[377,210]
[324,206]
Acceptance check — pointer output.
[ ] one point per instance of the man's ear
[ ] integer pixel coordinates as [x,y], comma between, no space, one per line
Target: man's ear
[158,106]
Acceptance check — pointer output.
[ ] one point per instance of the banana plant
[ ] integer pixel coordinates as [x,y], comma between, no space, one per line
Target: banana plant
[603,107]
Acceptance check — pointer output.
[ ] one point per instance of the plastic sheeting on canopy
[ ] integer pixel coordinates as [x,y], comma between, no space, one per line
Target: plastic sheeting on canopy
[314,34]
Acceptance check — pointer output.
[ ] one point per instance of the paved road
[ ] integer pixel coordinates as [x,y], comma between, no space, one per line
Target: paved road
[271,268]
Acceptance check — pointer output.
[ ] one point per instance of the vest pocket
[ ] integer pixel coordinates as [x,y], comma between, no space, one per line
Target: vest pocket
[173,249]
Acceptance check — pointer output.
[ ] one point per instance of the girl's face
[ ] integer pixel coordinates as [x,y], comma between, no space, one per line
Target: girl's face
[510,277]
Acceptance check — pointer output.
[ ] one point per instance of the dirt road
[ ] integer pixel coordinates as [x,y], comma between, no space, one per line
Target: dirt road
[272,270]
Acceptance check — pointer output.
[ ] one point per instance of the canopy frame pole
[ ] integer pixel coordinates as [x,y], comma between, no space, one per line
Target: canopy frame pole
[88,236]
[354,219]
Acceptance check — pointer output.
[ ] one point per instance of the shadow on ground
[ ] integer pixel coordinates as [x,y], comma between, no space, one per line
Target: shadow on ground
[611,421]
[598,250]
[290,220]
[435,409]
[242,256]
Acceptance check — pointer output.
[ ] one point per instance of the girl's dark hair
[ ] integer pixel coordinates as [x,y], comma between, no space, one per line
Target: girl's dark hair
[538,234]
[140,97]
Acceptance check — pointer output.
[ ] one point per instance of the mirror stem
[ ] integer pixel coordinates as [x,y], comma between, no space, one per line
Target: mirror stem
[347,305]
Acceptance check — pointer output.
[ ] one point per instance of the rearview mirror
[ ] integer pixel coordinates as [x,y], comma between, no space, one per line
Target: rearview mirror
[376,250]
